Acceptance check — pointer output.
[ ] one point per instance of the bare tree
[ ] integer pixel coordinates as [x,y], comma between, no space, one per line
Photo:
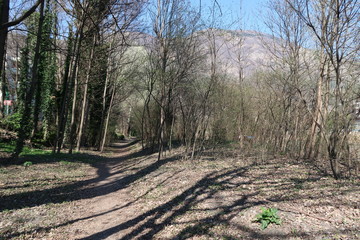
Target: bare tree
[334,24]
[174,26]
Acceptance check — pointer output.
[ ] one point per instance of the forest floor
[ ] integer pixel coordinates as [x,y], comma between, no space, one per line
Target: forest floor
[127,194]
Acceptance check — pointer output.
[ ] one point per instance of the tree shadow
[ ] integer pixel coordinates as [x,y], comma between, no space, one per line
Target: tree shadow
[89,188]
[119,145]
[156,219]
[46,229]
[148,224]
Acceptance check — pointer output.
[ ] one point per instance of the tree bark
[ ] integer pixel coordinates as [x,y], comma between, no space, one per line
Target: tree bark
[64,99]
[4,17]
[103,110]
[74,80]
[107,120]
[85,98]
[24,129]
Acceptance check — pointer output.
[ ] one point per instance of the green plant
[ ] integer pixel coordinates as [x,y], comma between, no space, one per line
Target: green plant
[27,164]
[12,122]
[267,216]
[65,162]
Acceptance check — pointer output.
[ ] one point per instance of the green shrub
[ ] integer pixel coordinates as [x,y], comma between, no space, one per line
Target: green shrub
[27,164]
[12,122]
[268,216]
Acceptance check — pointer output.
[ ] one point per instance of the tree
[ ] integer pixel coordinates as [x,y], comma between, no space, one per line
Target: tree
[288,79]
[334,23]
[174,28]
[4,26]
[24,128]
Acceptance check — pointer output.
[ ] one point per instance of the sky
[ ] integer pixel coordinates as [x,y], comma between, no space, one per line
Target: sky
[250,10]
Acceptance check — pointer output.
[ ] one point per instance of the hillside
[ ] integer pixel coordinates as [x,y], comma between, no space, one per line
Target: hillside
[252,46]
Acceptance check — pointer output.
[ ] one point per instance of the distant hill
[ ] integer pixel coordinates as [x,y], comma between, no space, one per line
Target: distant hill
[250,45]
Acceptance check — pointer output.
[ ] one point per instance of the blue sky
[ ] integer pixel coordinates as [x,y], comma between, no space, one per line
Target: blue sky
[250,10]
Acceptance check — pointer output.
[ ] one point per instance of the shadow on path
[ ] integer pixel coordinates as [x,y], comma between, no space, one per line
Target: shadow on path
[146,225]
[117,173]
[98,186]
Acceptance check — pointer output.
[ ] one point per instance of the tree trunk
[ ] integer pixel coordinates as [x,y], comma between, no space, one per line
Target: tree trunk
[24,129]
[107,120]
[103,111]
[64,99]
[2,88]
[37,106]
[4,18]
[73,106]
[74,80]
[85,99]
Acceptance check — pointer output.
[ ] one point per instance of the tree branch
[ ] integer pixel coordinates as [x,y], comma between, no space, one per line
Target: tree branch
[21,18]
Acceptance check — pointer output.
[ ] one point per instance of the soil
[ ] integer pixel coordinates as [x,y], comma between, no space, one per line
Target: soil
[128,194]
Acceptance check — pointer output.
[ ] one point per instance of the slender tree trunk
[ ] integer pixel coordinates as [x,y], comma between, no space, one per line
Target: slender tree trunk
[24,129]
[74,80]
[2,87]
[194,144]
[143,122]
[161,131]
[64,99]
[107,120]
[4,18]
[16,74]
[73,106]
[85,98]
[128,123]
[319,94]
[37,107]
[171,132]
[103,111]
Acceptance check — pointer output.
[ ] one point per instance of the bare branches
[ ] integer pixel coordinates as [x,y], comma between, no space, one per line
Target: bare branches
[22,17]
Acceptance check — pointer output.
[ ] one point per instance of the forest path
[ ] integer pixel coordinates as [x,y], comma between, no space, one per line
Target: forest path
[112,202]
[134,196]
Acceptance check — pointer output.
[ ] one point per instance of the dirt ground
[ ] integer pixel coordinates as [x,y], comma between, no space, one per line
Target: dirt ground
[131,195]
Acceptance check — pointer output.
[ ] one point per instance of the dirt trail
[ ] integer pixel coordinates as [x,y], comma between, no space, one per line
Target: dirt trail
[134,196]
[112,198]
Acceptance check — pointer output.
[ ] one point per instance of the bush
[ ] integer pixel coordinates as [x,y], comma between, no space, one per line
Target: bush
[12,122]
[27,164]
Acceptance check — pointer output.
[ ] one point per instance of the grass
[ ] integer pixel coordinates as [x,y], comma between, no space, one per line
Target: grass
[7,147]
[38,155]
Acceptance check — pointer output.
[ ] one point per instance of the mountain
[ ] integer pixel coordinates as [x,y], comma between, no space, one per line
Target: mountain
[248,46]
[252,47]
[230,44]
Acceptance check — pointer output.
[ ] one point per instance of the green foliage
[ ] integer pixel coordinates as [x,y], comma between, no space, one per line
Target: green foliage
[12,122]
[27,151]
[34,151]
[64,162]
[24,78]
[121,137]
[7,147]
[27,164]
[268,216]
